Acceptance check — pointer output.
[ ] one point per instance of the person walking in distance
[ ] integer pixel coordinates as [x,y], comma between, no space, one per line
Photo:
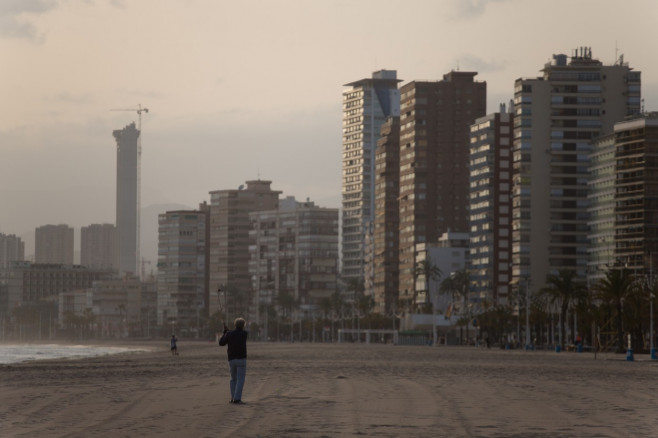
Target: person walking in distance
[174,348]
[237,357]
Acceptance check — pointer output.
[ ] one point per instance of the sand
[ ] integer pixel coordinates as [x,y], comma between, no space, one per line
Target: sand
[323,390]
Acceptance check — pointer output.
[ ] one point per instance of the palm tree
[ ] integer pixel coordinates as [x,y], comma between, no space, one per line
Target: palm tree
[613,290]
[458,285]
[429,271]
[564,290]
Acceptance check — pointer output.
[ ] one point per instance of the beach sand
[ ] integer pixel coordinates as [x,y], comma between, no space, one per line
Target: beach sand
[333,390]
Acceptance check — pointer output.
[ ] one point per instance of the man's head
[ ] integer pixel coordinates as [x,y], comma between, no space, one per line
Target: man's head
[239,323]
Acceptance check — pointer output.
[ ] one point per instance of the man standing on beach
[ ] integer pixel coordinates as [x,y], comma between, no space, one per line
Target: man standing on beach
[237,357]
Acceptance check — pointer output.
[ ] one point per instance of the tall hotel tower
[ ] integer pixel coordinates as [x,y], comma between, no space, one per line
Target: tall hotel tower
[557,116]
[128,202]
[366,105]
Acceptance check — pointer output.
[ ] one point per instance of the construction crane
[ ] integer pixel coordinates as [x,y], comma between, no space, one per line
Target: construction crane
[139,111]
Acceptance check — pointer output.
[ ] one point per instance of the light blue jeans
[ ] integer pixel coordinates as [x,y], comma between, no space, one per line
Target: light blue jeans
[238,368]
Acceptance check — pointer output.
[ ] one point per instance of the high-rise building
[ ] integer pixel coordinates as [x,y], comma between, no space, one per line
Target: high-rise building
[128,198]
[230,283]
[435,120]
[98,246]
[182,266]
[636,193]
[601,207]
[53,244]
[387,218]
[557,117]
[12,249]
[490,211]
[293,258]
[366,105]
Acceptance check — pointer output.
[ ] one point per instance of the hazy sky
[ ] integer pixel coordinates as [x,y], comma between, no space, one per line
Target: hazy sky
[239,90]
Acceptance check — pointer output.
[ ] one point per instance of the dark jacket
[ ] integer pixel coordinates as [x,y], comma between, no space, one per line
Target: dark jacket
[237,343]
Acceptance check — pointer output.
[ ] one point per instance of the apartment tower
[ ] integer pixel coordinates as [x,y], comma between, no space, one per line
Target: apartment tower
[435,120]
[128,198]
[182,266]
[53,245]
[557,115]
[98,246]
[230,283]
[293,259]
[490,212]
[366,105]
[387,218]
[12,249]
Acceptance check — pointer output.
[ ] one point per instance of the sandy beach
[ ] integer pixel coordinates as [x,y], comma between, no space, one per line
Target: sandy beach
[323,390]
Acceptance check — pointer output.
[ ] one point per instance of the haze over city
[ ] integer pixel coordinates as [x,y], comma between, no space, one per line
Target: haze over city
[247,90]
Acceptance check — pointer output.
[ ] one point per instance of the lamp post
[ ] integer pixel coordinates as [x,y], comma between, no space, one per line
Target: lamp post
[651,286]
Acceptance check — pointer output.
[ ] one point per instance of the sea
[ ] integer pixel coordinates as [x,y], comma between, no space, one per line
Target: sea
[16,353]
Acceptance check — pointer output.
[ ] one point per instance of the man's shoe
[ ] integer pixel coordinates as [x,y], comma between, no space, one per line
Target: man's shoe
[231,401]
[238,402]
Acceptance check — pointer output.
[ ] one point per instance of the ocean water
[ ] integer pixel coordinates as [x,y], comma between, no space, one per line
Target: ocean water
[27,352]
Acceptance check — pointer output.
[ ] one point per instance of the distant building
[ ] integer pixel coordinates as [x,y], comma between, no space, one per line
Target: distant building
[117,306]
[557,116]
[12,249]
[490,212]
[128,198]
[182,266]
[293,258]
[29,283]
[366,105]
[53,245]
[98,246]
[230,283]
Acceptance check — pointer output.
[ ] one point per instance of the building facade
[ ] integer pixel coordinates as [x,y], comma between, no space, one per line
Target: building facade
[12,249]
[435,120]
[29,283]
[183,266]
[98,246]
[636,193]
[230,283]
[556,117]
[293,259]
[490,211]
[128,198]
[366,105]
[53,244]
[387,218]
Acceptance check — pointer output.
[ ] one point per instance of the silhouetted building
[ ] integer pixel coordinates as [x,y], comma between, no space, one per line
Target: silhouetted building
[12,249]
[53,244]
[128,198]
[98,246]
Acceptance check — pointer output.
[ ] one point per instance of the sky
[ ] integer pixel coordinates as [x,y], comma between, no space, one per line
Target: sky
[244,90]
